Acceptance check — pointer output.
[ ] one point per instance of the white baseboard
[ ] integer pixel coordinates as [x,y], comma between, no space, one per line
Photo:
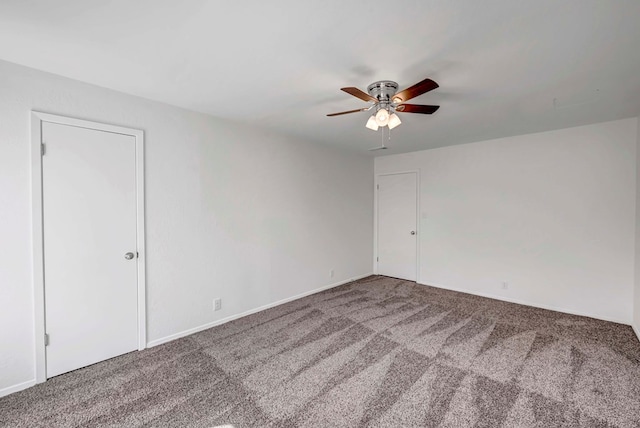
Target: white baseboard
[636,331]
[15,388]
[190,331]
[535,305]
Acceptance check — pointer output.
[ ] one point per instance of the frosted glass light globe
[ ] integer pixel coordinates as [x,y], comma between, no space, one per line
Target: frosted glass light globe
[371,123]
[394,121]
[382,117]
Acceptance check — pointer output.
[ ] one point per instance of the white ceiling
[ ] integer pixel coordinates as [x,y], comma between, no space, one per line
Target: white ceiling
[500,63]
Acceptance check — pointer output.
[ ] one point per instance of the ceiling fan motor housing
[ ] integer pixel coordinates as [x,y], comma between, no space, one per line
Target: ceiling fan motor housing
[383,90]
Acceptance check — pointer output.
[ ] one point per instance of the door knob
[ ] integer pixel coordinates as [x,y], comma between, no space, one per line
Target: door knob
[413,232]
[128,256]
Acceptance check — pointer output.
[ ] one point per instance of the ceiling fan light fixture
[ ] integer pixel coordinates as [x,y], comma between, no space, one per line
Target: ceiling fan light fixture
[371,123]
[394,121]
[382,117]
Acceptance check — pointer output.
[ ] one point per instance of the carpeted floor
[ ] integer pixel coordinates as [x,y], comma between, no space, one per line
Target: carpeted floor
[378,352]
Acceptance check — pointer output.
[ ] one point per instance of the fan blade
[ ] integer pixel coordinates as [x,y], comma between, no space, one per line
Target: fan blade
[359,94]
[418,89]
[347,112]
[416,108]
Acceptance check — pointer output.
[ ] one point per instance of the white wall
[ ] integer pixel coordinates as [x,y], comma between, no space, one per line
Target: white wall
[232,212]
[551,213]
[636,304]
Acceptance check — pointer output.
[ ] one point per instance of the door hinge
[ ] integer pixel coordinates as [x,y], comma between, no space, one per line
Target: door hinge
[46,339]
[42,149]
[377,259]
[378,186]
[137,255]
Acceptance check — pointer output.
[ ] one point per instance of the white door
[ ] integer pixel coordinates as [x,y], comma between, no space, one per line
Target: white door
[89,221]
[397,232]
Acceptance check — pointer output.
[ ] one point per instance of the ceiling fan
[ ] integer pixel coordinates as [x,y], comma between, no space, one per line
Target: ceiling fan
[386,101]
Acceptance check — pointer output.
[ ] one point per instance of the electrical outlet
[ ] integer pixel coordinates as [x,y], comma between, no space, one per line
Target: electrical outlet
[331,273]
[505,285]
[217,304]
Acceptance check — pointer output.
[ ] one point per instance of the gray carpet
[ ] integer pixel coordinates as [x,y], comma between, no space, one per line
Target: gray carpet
[378,352]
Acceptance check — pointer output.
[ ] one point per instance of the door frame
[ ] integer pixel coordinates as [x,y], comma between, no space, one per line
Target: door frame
[37,119]
[375,218]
